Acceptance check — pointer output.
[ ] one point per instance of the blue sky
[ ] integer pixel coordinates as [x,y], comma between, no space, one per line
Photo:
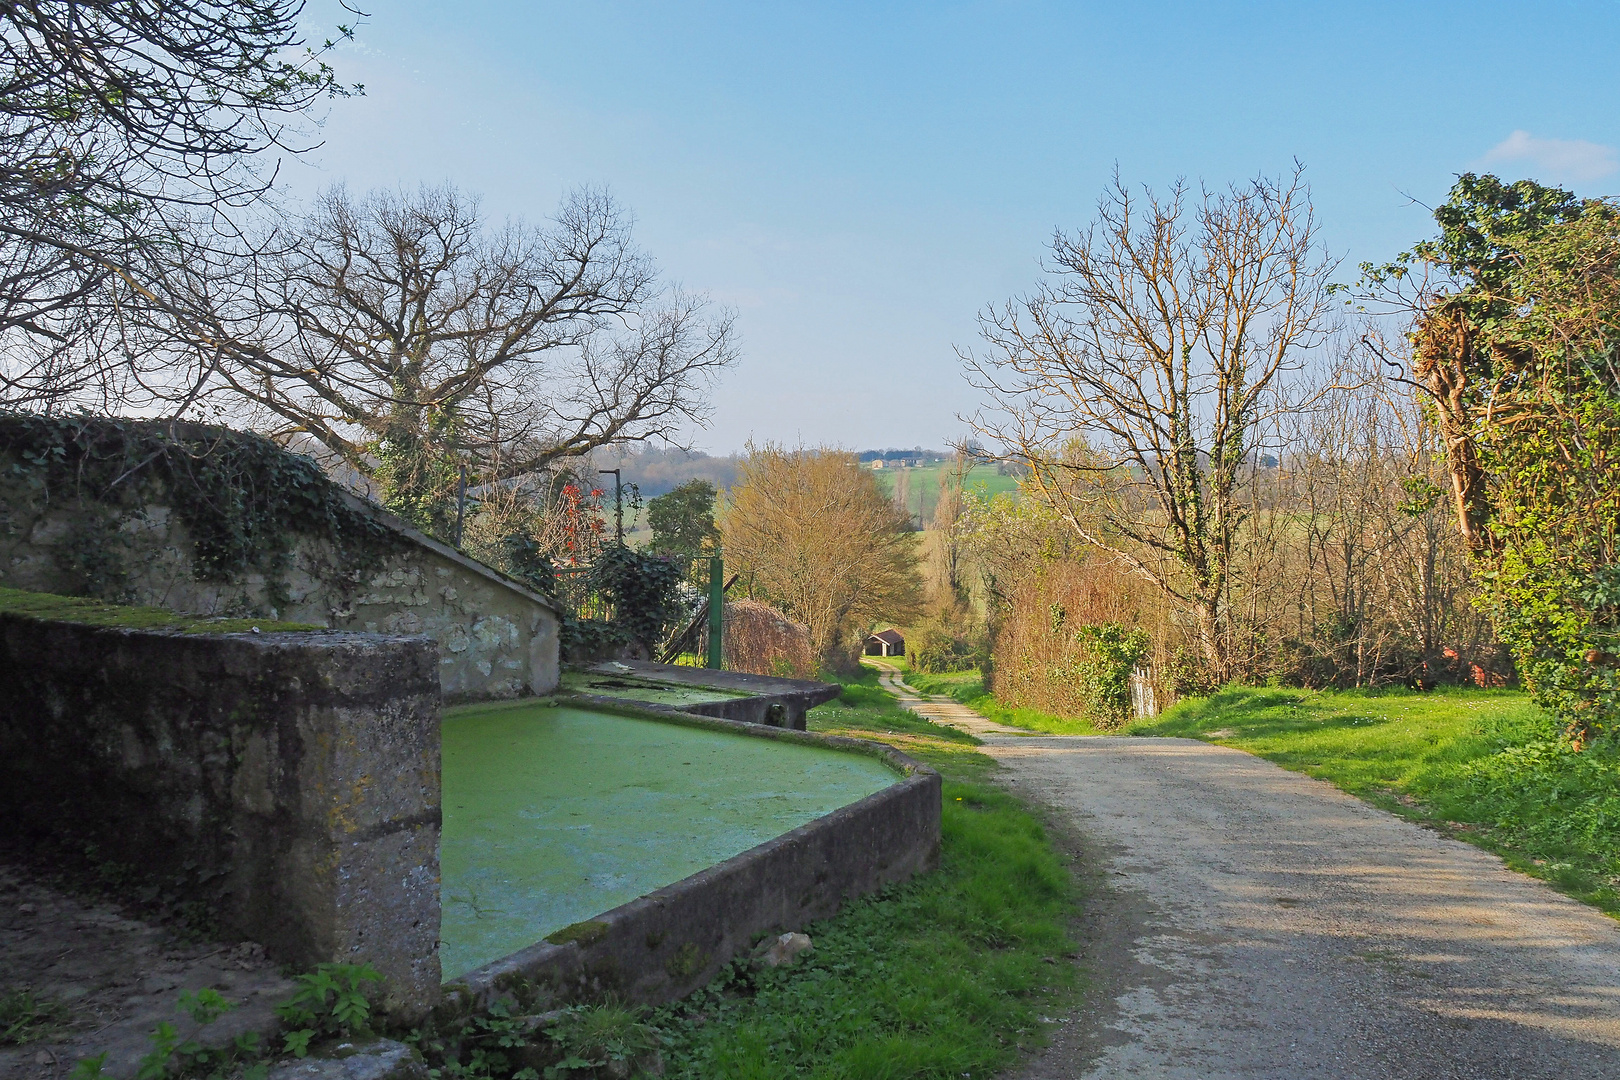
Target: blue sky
[858,180]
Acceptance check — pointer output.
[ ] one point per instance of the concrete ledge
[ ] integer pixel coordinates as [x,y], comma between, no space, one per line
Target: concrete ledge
[772,702]
[672,941]
[291,779]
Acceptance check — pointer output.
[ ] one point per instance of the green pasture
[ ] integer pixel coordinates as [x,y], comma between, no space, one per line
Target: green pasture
[922,493]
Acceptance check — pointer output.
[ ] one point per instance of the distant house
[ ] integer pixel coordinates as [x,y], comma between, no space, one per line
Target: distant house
[877,463]
[886,643]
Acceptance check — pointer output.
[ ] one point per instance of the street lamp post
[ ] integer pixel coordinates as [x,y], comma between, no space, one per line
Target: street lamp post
[618,503]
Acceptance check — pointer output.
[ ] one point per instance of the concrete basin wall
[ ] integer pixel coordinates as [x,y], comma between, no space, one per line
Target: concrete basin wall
[771,701]
[293,781]
[673,941]
[291,778]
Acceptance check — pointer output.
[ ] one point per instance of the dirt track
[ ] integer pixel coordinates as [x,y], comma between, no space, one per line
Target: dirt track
[1252,922]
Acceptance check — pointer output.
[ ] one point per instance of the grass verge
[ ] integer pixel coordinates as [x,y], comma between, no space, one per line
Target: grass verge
[944,976]
[967,687]
[1482,765]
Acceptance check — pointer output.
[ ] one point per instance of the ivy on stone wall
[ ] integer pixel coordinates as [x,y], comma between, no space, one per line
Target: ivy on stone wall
[243,499]
[644,593]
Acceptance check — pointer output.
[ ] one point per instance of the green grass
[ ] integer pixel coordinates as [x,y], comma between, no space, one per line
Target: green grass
[945,976]
[923,485]
[866,711]
[25,1017]
[80,609]
[967,687]
[963,686]
[1483,765]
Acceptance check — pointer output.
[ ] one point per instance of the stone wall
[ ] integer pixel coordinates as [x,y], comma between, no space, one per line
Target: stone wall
[498,639]
[290,779]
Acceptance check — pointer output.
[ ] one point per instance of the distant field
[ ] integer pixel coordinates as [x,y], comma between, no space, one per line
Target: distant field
[922,495]
[922,485]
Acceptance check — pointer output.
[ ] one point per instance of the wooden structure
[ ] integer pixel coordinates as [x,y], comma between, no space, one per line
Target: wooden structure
[886,643]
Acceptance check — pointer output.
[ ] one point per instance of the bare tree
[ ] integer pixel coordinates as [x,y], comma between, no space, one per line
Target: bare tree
[128,133]
[406,336]
[1383,583]
[1136,381]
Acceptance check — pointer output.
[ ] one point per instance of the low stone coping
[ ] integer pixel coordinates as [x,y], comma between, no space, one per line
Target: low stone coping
[674,940]
[769,700]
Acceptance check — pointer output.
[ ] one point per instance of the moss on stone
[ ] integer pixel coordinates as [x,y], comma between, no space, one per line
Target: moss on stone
[81,609]
[585,933]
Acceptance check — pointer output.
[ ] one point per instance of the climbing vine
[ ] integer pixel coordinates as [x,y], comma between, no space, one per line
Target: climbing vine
[1516,347]
[243,499]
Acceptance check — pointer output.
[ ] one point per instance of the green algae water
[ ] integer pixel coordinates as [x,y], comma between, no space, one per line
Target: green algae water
[554,815]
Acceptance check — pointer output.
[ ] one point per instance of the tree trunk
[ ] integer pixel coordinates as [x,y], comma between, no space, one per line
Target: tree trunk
[1210,639]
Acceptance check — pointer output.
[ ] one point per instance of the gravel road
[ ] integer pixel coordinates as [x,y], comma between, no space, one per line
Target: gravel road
[1246,921]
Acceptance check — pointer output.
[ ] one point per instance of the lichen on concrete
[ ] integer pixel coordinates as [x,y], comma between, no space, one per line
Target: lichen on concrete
[296,774]
[90,612]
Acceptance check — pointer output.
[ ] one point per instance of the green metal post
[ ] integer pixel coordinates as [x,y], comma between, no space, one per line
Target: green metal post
[717,613]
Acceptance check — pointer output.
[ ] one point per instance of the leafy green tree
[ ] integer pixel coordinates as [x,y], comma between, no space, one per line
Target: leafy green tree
[683,520]
[1516,345]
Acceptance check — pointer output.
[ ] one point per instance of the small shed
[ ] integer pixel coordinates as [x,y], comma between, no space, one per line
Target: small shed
[886,643]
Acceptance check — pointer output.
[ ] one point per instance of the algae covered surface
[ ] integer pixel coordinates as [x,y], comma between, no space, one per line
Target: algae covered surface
[553,815]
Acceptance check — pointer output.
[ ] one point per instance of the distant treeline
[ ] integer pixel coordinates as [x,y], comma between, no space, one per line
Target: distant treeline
[656,471]
[916,455]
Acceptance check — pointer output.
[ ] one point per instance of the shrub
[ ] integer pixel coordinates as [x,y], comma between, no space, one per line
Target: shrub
[1109,654]
[642,591]
[761,640]
[939,644]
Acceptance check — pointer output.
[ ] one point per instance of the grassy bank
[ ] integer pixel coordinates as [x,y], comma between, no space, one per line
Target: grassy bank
[1484,765]
[945,976]
[968,688]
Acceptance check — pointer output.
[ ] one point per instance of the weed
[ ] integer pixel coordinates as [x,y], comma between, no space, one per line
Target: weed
[610,1037]
[205,1005]
[493,1043]
[90,1068]
[329,1001]
[25,1017]
[172,1057]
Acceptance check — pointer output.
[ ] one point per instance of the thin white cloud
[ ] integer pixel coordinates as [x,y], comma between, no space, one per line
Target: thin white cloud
[1566,159]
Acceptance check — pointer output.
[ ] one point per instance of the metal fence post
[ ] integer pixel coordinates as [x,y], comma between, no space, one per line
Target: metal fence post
[717,612]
